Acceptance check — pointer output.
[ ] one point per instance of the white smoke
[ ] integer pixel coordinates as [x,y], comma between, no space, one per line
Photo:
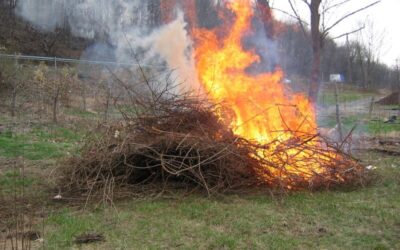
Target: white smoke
[124,25]
[45,14]
[121,27]
[85,18]
[173,44]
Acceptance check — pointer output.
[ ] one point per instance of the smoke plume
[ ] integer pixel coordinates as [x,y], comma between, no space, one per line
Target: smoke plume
[120,28]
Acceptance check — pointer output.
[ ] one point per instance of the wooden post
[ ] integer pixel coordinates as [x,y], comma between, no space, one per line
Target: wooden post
[338,119]
[14,90]
[371,107]
[56,94]
[398,84]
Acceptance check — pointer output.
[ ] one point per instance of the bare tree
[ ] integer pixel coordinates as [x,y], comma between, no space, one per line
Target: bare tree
[53,84]
[320,11]
[9,5]
[50,41]
[294,51]
[350,56]
[14,78]
[369,53]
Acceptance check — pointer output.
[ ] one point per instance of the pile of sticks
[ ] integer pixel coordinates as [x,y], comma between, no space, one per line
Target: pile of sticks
[186,144]
[308,162]
[182,146]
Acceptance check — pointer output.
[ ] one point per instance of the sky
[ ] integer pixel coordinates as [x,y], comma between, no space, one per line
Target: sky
[383,21]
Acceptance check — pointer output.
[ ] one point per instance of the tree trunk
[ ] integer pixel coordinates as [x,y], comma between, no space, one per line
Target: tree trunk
[364,73]
[316,69]
[349,70]
[349,61]
[316,50]
[338,118]
[368,73]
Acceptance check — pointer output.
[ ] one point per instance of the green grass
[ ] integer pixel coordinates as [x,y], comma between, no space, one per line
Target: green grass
[11,181]
[365,218]
[70,225]
[39,144]
[80,113]
[369,126]
[327,97]
[389,107]
[55,133]
[376,127]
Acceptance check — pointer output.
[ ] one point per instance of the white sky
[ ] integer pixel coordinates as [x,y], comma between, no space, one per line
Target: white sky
[385,18]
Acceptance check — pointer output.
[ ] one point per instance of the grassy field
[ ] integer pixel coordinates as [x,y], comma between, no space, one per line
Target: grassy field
[345,94]
[356,109]
[363,124]
[39,143]
[362,218]
[365,218]
[359,218]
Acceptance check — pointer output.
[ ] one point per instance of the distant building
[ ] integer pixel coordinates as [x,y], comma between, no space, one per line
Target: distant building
[336,78]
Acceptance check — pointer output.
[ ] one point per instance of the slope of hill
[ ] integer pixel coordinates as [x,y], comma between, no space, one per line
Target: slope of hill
[19,36]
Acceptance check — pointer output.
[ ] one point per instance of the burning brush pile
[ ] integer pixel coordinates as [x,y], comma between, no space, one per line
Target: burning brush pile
[249,131]
[187,145]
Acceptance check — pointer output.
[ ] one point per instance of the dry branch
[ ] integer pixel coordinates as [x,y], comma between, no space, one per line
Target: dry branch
[186,145]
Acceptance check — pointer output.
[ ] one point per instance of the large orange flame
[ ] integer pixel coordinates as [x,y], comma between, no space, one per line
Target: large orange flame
[264,110]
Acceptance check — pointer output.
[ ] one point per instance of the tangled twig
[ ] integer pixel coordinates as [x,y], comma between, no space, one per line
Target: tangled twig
[187,145]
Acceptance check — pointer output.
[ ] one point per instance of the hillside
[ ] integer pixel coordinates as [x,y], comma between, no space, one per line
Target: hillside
[19,36]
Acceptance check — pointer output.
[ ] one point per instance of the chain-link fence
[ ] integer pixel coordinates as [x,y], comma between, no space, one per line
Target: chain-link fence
[359,113]
[50,105]
[60,90]
[56,90]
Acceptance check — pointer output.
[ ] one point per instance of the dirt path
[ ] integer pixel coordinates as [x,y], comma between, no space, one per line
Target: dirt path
[361,106]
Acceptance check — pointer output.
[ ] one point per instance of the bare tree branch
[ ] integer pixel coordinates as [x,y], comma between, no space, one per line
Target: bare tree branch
[349,33]
[298,16]
[323,15]
[325,32]
[337,5]
[291,15]
[306,2]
